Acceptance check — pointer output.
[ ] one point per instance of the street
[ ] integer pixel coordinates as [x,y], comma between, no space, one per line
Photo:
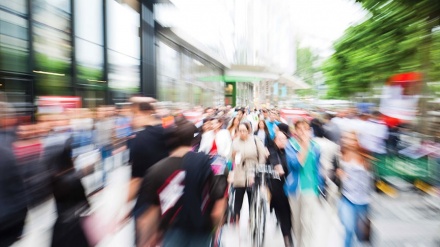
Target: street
[412,219]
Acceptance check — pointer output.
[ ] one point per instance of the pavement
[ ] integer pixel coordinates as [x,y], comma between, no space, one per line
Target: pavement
[411,220]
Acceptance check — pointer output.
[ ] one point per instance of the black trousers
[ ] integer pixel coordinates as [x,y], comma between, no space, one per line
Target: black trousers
[280,203]
[12,232]
[239,196]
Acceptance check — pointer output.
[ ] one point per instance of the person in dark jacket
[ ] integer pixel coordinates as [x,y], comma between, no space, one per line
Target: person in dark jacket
[68,191]
[13,201]
[279,201]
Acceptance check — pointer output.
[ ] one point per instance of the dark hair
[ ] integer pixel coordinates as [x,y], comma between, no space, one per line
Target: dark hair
[180,134]
[318,130]
[248,126]
[327,116]
[265,126]
[376,113]
[301,121]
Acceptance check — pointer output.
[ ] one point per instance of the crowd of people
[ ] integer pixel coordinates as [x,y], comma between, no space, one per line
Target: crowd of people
[182,170]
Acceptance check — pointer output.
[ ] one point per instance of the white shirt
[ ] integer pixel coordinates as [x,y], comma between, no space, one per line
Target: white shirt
[373,136]
[223,142]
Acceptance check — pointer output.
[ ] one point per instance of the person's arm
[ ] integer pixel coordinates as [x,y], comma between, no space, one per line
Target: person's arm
[148,226]
[302,153]
[133,188]
[261,151]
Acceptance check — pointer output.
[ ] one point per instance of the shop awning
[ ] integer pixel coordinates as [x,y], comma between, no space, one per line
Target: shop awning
[294,82]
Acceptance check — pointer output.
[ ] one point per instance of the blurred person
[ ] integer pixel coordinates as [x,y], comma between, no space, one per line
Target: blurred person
[357,187]
[233,127]
[247,152]
[216,141]
[331,130]
[330,154]
[265,114]
[204,128]
[103,135]
[68,191]
[146,148]
[28,150]
[272,123]
[304,183]
[13,201]
[263,134]
[182,205]
[373,136]
[279,201]
[8,124]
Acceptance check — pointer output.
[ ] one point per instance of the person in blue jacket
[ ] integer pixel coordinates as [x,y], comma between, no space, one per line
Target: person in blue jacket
[303,183]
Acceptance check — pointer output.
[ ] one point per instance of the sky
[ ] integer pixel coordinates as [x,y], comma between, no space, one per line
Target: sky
[319,23]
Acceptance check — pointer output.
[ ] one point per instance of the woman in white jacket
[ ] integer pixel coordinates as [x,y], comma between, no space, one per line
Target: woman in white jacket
[216,141]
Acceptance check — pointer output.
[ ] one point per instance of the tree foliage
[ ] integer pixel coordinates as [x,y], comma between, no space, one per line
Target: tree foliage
[306,68]
[396,38]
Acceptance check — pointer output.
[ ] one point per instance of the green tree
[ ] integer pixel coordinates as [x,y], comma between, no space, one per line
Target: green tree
[394,39]
[306,68]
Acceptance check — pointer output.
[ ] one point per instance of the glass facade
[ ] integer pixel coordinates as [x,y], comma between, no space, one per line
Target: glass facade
[184,77]
[123,47]
[92,49]
[52,46]
[14,36]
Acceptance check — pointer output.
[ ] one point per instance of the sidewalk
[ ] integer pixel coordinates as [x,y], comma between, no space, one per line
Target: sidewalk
[329,231]
[40,220]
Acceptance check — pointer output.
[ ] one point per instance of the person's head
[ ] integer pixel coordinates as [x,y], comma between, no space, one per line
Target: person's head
[207,125]
[350,141]
[302,129]
[273,116]
[240,114]
[262,125]
[180,134]
[327,117]
[284,128]
[7,115]
[142,105]
[281,139]
[318,130]
[143,110]
[236,121]
[265,113]
[216,123]
[244,130]
[209,111]
[376,115]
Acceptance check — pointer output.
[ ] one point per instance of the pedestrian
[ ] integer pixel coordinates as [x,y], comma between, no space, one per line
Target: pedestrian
[272,124]
[247,152]
[13,201]
[182,206]
[330,154]
[69,194]
[279,200]
[304,183]
[357,188]
[216,141]
[146,148]
[233,127]
[331,129]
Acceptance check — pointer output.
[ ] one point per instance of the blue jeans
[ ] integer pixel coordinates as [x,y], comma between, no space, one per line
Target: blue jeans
[176,237]
[350,215]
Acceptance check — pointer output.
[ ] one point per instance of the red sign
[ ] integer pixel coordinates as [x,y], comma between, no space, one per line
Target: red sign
[57,104]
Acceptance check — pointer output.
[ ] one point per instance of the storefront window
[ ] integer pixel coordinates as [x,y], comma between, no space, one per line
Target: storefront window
[14,38]
[52,45]
[89,50]
[124,46]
